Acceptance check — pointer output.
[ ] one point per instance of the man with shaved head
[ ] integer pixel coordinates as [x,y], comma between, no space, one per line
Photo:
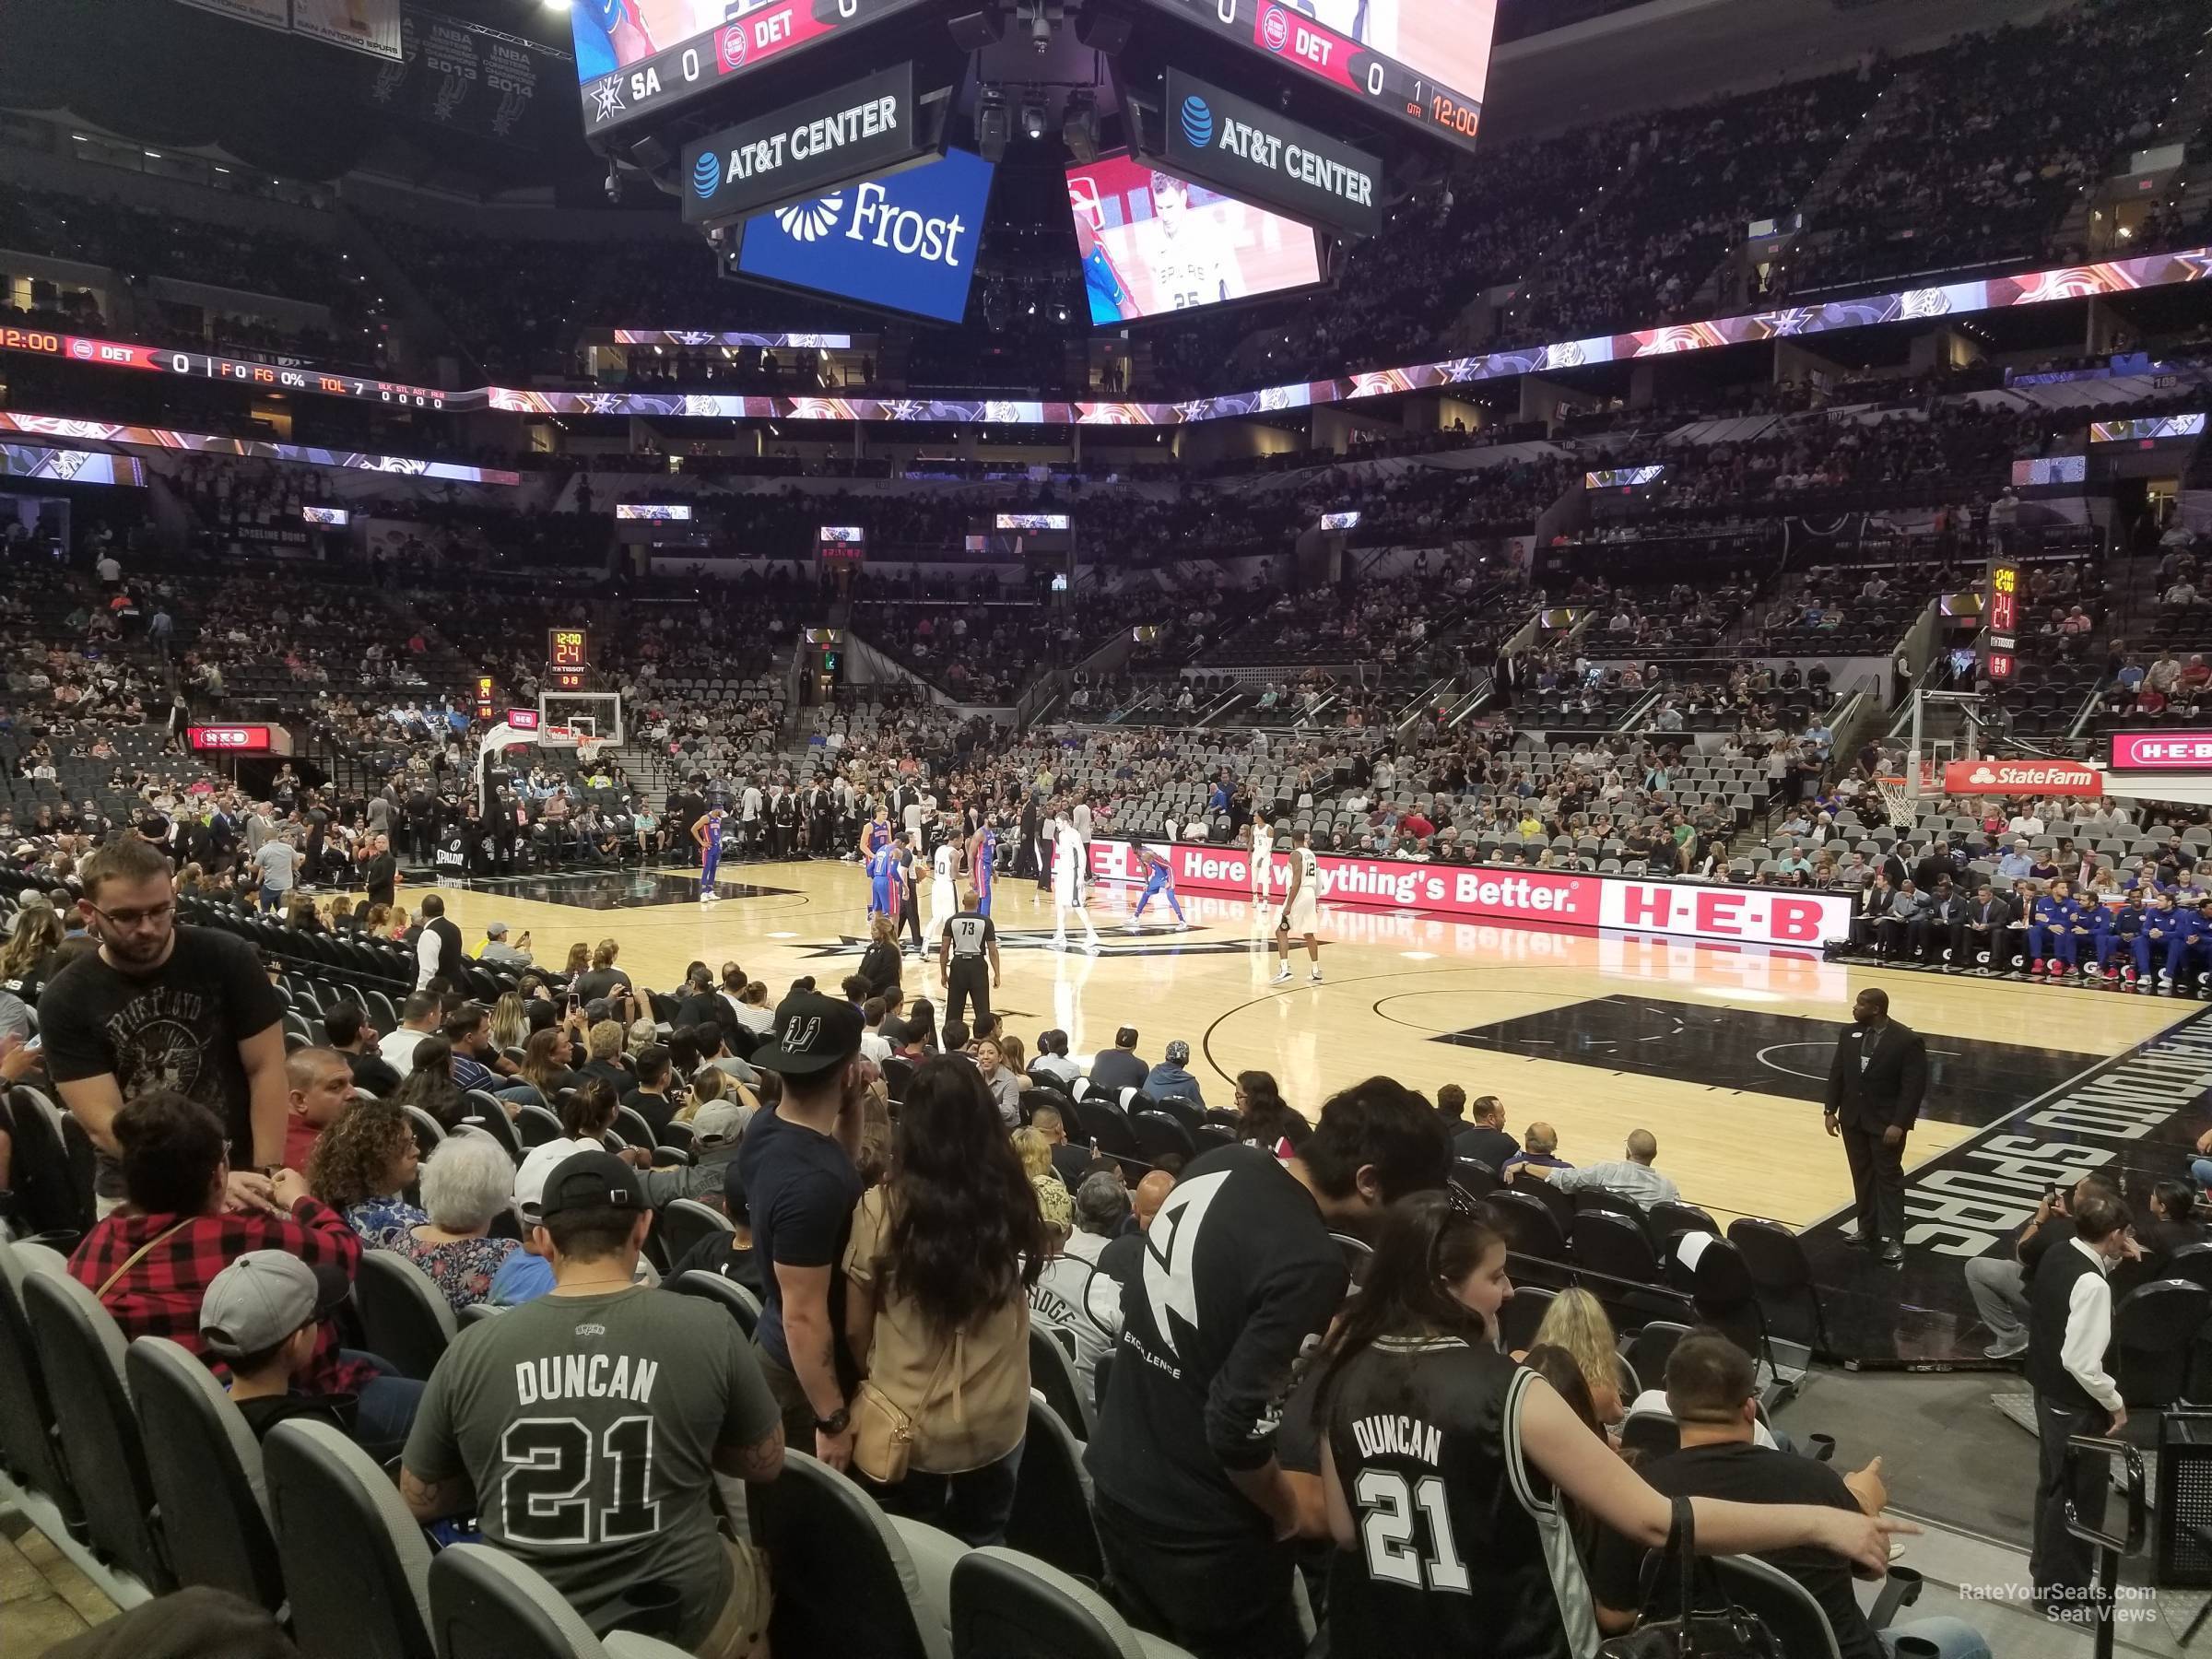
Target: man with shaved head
[1631,1177]
[1123,1258]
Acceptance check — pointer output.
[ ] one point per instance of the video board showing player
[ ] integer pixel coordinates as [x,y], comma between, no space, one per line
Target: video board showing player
[614,34]
[1152,243]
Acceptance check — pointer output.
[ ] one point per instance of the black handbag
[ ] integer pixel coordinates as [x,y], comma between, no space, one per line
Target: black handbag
[1719,1629]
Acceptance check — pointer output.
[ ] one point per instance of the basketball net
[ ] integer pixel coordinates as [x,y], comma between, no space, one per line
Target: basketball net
[1897,806]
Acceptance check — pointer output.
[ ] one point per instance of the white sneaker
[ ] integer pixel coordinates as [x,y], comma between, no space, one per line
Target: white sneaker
[1283,978]
[1090,946]
[1316,976]
[1059,942]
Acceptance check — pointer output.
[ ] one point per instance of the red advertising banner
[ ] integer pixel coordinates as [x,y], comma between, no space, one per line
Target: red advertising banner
[1684,910]
[229,739]
[2021,777]
[2162,751]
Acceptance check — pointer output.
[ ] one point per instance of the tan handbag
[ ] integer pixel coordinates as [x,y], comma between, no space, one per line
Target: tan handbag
[139,1255]
[882,1432]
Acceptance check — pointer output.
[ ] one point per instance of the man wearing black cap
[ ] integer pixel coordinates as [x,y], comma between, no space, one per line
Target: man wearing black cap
[795,1166]
[592,1422]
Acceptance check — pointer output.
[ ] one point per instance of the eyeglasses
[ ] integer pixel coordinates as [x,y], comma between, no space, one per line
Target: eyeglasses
[134,918]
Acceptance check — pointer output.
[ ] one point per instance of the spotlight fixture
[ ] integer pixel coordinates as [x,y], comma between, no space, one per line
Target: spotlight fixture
[993,125]
[1079,128]
[1035,115]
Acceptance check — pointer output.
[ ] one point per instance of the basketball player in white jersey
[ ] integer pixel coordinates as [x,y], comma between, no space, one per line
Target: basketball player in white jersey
[944,867]
[1191,259]
[1070,858]
[1301,903]
[1263,862]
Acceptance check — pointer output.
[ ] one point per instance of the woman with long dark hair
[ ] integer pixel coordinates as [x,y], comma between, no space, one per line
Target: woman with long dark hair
[937,1306]
[1265,1118]
[1440,1460]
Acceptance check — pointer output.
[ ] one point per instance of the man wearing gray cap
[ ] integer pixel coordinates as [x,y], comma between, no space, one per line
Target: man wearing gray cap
[1171,1080]
[585,1428]
[259,1316]
[499,952]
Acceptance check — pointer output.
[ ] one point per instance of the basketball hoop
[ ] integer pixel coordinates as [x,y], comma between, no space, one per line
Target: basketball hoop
[1897,806]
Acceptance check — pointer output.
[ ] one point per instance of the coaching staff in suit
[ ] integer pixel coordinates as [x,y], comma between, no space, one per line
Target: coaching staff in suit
[1874,1087]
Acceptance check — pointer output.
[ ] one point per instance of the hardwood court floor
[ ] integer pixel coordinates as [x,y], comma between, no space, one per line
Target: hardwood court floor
[1720,1052]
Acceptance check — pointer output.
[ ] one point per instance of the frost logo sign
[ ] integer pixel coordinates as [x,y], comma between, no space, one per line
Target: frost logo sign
[906,243]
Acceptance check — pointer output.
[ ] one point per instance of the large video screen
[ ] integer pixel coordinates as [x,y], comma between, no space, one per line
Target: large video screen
[905,242]
[1425,61]
[639,58]
[1152,243]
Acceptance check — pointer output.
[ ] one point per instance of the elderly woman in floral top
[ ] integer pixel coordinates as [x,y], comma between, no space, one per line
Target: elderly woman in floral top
[361,1165]
[468,1181]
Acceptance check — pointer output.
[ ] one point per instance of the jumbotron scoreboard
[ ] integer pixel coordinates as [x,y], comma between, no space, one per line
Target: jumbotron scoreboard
[1215,151]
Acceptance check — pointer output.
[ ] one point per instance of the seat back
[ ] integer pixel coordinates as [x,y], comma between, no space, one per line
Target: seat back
[1671,1215]
[684,1223]
[1651,1347]
[205,1466]
[1161,1137]
[487,1605]
[2152,1328]
[1052,1518]
[1527,1224]
[743,1305]
[631,1124]
[836,1562]
[1473,1177]
[1053,1374]
[1782,1279]
[28,1449]
[355,1565]
[486,1113]
[428,1131]
[537,1125]
[81,1351]
[406,1319]
[1009,1606]
[2192,1262]
[1609,1242]
[1797,1620]
[52,1194]
[1518,1320]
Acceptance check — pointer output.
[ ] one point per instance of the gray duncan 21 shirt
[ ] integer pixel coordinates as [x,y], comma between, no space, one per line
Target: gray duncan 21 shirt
[587,1426]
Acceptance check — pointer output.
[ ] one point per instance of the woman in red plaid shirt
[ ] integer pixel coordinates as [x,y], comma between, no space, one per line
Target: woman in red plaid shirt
[151,1261]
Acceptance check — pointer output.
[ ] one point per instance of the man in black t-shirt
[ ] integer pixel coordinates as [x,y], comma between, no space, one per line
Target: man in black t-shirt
[1710,1390]
[1240,1273]
[380,871]
[795,1168]
[164,1006]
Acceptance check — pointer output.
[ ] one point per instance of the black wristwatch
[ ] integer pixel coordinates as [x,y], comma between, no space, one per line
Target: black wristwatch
[836,1423]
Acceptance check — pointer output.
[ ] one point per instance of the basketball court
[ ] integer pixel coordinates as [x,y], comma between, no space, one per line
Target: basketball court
[1721,1050]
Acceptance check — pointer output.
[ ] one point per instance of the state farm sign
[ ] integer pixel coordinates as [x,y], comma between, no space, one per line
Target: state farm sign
[2162,751]
[2021,777]
[1539,897]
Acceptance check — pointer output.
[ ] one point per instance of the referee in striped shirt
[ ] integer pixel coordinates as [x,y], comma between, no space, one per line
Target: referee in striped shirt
[968,941]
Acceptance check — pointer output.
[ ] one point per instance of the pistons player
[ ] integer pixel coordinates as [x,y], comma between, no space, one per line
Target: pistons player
[707,833]
[885,872]
[1159,882]
[982,863]
[875,835]
[1189,258]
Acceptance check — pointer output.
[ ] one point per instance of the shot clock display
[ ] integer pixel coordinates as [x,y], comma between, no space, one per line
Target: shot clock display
[2001,624]
[1427,62]
[568,647]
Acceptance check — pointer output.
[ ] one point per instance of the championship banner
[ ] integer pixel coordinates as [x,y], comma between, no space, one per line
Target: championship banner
[1681,909]
[2021,777]
[457,74]
[370,26]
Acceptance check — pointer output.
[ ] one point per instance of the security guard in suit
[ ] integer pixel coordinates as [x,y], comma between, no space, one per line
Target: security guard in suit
[1875,1084]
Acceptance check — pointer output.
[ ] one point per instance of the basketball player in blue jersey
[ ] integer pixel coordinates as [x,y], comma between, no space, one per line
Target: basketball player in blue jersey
[1159,879]
[875,835]
[707,833]
[982,864]
[883,879]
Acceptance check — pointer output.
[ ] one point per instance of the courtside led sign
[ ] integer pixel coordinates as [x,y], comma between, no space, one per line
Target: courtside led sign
[2162,751]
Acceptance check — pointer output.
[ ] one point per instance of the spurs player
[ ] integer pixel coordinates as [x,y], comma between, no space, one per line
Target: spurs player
[943,868]
[1188,256]
[1262,861]
[1070,859]
[1302,901]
